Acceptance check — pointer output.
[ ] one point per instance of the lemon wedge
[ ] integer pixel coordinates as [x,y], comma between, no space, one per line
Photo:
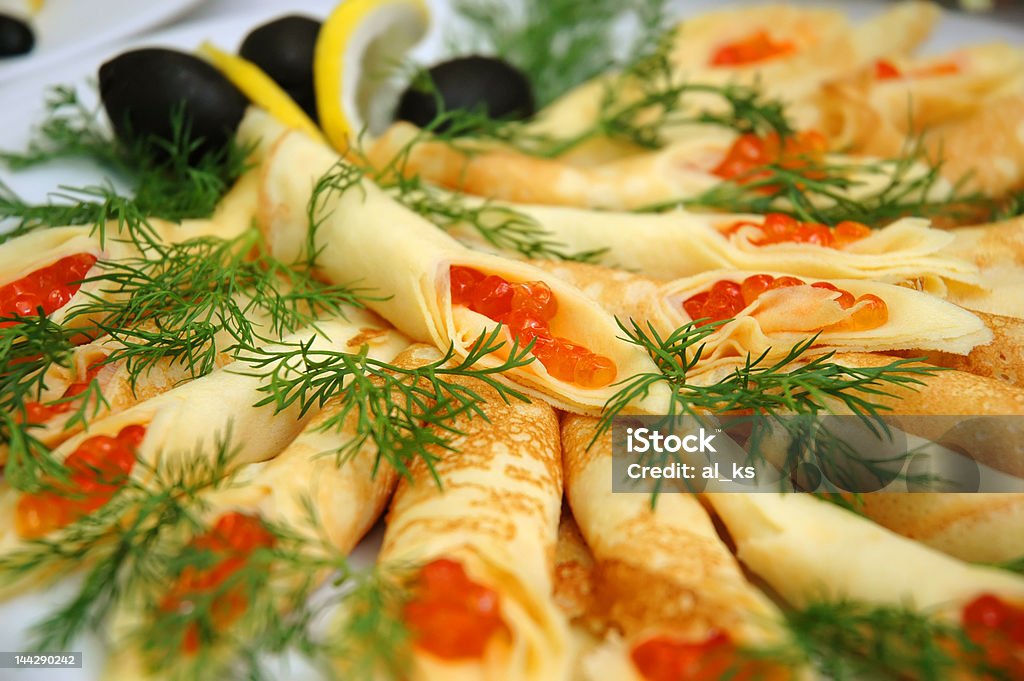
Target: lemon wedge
[358,43]
[261,90]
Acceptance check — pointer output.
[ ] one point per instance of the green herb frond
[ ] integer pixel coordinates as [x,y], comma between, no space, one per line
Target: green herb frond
[406,413]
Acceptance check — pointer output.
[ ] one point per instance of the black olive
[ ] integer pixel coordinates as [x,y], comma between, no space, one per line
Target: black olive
[16,36]
[283,48]
[141,90]
[491,85]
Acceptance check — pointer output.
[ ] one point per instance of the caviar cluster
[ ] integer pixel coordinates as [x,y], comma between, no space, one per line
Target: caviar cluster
[527,310]
[726,299]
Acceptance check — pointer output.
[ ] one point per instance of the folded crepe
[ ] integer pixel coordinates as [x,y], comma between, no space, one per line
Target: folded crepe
[680,244]
[809,550]
[304,490]
[680,170]
[997,249]
[187,427]
[979,528]
[490,509]
[780,318]
[1002,358]
[994,442]
[661,574]
[363,236]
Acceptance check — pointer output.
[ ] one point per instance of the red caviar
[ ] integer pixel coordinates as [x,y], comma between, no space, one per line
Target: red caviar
[450,615]
[781,228]
[662,658]
[750,152]
[50,287]
[234,537]
[527,310]
[997,627]
[886,70]
[757,47]
[98,468]
[725,299]
[37,412]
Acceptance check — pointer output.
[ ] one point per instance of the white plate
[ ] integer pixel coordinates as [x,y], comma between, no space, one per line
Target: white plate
[67,27]
[955,30]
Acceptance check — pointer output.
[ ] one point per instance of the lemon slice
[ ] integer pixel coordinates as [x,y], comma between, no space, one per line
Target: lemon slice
[261,90]
[358,43]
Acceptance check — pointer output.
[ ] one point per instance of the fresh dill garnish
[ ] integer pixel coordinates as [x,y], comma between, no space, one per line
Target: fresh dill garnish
[773,392]
[28,345]
[793,384]
[502,227]
[827,191]
[272,609]
[173,301]
[407,413]
[848,640]
[166,178]
[122,541]
[641,105]
[558,44]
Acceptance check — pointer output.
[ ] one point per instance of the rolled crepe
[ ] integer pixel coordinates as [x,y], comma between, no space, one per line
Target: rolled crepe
[681,244]
[681,170]
[659,571]
[347,499]
[121,387]
[366,237]
[979,528]
[998,443]
[496,513]
[779,319]
[23,255]
[809,550]
[215,412]
[1002,358]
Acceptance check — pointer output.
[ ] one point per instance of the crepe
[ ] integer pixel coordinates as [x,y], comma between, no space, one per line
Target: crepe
[28,253]
[979,528]
[366,238]
[216,412]
[496,514]
[680,170]
[346,499]
[801,546]
[998,250]
[779,319]
[680,244]
[659,573]
[956,395]
[1002,358]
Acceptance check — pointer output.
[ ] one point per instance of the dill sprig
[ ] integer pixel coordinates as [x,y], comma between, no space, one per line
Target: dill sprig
[848,640]
[826,191]
[271,590]
[28,346]
[407,413]
[123,542]
[502,227]
[558,44]
[793,384]
[641,105]
[775,393]
[168,178]
[171,302]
